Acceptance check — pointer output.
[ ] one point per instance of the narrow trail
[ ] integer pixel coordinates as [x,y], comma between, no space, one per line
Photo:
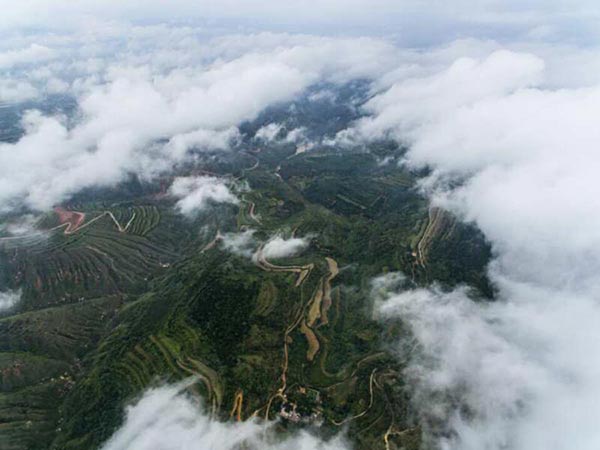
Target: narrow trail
[283,377]
[302,271]
[129,222]
[198,369]
[122,229]
[365,359]
[392,432]
[326,301]
[286,341]
[73,219]
[111,262]
[252,213]
[254,166]
[371,393]
[311,315]
[81,226]
[246,169]
[434,225]
[277,174]
[313,343]
[311,311]
[237,406]
[218,238]
[70,228]
[314,309]
[318,307]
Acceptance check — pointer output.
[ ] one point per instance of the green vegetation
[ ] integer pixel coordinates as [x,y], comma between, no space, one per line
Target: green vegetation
[128,300]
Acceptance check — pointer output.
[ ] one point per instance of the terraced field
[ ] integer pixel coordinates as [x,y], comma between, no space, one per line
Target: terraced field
[109,252]
[121,296]
[76,272]
[40,352]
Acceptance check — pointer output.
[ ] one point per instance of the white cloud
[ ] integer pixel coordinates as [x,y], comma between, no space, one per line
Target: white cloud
[414,21]
[275,131]
[32,54]
[196,193]
[134,97]
[166,418]
[245,243]
[242,243]
[180,144]
[8,299]
[14,91]
[278,247]
[22,225]
[523,160]
[297,135]
[269,132]
[412,104]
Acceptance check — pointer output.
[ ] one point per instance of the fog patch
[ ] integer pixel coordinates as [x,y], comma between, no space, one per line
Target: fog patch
[278,132]
[242,244]
[23,225]
[166,418]
[279,247]
[269,132]
[9,299]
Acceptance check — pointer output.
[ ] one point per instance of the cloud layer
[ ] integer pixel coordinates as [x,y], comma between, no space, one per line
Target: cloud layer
[144,109]
[523,161]
[412,21]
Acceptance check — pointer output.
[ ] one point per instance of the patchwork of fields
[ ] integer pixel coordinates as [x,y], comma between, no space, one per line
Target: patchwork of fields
[120,296]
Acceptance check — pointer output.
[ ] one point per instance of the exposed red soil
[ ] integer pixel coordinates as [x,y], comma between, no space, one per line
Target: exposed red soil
[73,219]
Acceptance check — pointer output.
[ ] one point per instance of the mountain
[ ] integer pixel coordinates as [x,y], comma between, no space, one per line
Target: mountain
[121,292]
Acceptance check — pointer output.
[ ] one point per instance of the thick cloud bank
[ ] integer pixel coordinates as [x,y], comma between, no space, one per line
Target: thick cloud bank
[523,373]
[167,419]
